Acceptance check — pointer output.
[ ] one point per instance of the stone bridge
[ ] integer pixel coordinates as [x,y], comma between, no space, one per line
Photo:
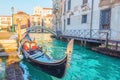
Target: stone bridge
[41,29]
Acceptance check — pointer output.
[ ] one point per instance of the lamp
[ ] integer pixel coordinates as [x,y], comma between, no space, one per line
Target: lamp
[12,9]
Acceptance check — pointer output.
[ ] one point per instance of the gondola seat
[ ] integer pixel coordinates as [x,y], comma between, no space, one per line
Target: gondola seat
[26,46]
[33,46]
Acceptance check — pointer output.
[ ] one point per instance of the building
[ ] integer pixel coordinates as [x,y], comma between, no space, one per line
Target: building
[42,11]
[24,17]
[36,20]
[88,18]
[41,16]
[57,8]
[5,22]
[48,21]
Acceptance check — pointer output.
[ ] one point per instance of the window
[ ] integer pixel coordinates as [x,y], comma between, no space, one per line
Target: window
[8,18]
[2,18]
[68,21]
[35,12]
[64,24]
[84,18]
[85,1]
[69,4]
[105,19]
[38,23]
[38,18]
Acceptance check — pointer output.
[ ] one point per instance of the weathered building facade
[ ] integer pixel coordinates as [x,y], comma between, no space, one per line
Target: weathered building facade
[89,18]
[41,16]
[57,23]
[36,20]
[24,17]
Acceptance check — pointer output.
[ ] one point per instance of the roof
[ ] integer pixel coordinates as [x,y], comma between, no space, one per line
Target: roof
[49,15]
[47,8]
[21,12]
[5,16]
[36,15]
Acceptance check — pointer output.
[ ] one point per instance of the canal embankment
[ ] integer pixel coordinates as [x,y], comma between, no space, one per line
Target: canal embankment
[9,55]
[109,47]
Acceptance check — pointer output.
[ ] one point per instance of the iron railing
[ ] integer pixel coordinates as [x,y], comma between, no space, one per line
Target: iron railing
[85,33]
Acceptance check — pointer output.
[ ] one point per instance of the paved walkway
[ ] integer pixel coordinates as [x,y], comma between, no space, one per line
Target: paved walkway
[5,35]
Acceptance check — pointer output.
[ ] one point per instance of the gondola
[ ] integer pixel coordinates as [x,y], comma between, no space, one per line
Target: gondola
[39,58]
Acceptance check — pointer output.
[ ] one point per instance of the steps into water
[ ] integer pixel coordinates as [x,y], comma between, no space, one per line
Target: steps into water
[8,45]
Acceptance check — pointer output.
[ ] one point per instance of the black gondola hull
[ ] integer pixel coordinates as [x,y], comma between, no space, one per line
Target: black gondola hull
[55,69]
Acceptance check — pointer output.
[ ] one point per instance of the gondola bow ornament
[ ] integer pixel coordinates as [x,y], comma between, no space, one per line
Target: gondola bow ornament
[69,51]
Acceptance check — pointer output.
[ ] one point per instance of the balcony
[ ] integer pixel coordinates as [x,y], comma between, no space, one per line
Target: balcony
[106,2]
[55,10]
[85,7]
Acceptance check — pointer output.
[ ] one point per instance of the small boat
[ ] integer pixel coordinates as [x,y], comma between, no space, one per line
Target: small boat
[39,58]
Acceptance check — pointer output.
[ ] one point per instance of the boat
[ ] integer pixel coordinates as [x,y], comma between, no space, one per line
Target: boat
[35,55]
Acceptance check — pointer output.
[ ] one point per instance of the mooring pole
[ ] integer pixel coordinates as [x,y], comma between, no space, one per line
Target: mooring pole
[106,43]
[116,47]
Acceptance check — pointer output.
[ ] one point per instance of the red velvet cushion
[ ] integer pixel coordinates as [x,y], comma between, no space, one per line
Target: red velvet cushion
[33,46]
[26,47]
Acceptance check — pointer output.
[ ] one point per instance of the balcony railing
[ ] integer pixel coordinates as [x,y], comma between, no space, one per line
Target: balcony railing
[93,34]
[87,34]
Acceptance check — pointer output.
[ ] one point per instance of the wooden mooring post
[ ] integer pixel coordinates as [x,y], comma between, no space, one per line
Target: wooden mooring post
[116,46]
[106,42]
[84,43]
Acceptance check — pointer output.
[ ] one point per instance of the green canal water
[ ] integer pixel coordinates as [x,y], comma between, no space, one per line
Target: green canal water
[85,64]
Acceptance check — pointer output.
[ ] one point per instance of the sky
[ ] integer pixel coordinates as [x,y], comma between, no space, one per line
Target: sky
[22,5]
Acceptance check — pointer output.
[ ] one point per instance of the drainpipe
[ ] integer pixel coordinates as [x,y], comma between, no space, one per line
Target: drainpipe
[91,24]
[42,25]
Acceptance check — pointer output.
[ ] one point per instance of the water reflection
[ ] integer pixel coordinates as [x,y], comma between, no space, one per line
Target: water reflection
[33,73]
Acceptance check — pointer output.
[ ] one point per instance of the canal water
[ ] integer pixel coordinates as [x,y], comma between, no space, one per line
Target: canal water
[85,64]
[2,69]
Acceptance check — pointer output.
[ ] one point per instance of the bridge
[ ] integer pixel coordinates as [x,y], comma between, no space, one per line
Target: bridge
[41,29]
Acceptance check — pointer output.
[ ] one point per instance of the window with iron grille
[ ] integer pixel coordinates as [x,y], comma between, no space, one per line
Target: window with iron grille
[68,21]
[85,1]
[105,19]
[69,4]
[64,24]
[84,18]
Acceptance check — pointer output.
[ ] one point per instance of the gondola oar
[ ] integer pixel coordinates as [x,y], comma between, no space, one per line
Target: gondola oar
[69,51]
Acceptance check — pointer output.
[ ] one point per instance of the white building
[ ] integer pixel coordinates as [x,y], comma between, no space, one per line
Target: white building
[42,11]
[90,18]
[5,22]
[41,16]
